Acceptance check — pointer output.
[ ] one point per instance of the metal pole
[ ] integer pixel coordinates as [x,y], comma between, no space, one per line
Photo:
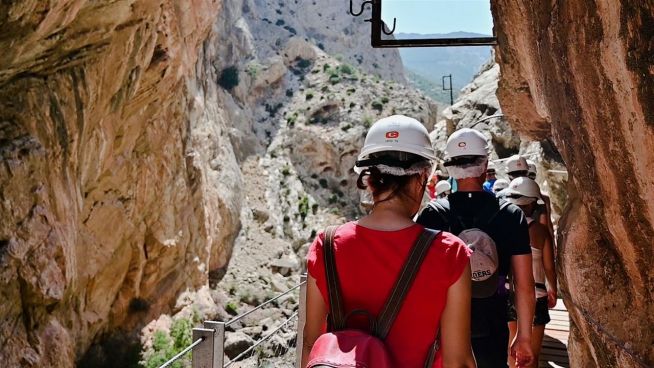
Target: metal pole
[451,92]
[301,318]
[202,354]
[448,89]
[218,342]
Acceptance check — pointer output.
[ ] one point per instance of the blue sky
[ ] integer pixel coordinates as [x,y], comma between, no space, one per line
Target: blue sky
[438,16]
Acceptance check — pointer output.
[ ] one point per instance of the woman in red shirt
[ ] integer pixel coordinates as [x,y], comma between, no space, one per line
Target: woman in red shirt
[394,165]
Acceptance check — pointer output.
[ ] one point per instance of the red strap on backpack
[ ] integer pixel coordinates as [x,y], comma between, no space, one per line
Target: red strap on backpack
[341,347]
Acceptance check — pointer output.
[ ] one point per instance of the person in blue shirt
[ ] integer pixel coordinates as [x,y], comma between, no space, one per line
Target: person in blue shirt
[490,179]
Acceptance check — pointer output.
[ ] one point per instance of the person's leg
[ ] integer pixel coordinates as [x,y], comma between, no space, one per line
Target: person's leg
[537,333]
[513,328]
[541,318]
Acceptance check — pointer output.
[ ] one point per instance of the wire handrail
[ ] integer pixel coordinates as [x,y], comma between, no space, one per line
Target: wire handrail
[244,353]
[213,334]
[242,315]
[181,353]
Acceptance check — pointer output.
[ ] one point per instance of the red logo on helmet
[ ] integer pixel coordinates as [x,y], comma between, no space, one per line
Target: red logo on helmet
[462,144]
[392,135]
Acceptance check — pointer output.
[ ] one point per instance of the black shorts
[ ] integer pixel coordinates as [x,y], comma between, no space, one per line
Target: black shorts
[541,314]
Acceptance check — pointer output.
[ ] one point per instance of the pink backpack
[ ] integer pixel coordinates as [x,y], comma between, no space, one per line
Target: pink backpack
[342,347]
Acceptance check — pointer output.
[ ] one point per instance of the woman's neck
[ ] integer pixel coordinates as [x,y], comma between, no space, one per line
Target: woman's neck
[387,217]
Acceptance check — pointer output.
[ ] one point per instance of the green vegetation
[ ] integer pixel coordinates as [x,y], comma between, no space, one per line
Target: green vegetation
[286,170]
[346,69]
[166,345]
[303,207]
[289,93]
[309,96]
[346,127]
[303,63]
[367,122]
[377,105]
[384,100]
[290,121]
[229,78]
[323,183]
[253,69]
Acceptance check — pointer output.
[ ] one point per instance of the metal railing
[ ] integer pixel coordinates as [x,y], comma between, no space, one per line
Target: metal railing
[208,347]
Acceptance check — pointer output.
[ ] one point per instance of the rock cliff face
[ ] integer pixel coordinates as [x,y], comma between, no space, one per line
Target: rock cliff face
[110,198]
[581,73]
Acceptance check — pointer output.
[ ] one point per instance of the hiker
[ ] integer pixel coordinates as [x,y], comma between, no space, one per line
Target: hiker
[432,326]
[517,167]
[499,185]
[498,232]
[524,193]
[443,189]
[431,186]
[490,178]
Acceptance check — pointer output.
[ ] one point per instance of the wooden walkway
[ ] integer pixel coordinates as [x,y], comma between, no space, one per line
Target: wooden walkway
[555,343]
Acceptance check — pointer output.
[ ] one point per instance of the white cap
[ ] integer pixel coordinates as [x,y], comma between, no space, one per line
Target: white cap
[531,167]
[500,184]
[523,187]
[484,262]
[442,187]
[466,142]
[516,163]
[397,133]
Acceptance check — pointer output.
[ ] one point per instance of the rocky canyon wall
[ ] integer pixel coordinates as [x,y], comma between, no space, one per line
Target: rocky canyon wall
[580,72]
[110,200]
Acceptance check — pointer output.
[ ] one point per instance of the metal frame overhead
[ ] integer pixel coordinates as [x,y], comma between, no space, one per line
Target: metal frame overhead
[378,28]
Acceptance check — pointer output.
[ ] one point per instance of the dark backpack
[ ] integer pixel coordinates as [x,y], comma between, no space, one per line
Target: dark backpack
[342,347]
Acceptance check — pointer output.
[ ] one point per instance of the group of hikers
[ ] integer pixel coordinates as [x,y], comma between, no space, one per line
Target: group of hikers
[464,281]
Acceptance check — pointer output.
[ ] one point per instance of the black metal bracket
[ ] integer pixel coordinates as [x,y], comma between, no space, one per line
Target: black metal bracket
[378,27]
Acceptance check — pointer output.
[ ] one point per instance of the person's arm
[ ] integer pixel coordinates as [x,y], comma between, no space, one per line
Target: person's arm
[525,300]
[546,218]
[550,269]
[315,318]
[455,324]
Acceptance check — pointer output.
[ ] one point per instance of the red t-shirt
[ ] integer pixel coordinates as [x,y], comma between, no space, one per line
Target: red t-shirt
[368,263]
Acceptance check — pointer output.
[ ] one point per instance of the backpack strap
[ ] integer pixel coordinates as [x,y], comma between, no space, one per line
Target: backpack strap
[336,317]
[391,308]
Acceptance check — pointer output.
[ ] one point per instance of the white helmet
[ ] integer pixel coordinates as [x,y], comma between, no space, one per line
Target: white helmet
[500,184]
[466,142]
[516,163]
[522,187]
[532,169]
[442,187]
[397,133]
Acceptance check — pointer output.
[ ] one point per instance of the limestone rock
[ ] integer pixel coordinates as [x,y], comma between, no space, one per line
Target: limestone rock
[236,343]
[580,74]
[109,206]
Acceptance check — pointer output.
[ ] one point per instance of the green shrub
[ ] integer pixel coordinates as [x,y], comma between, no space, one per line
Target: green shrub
[280,22]
[323,183]
[303,63]
[367,121]
[289,93]
[286,170]
[384,100]
[346,127]
[334,79]
[309,96]
[325,67]
[377,105]
[314,210]
[346,69]
[229,78]
[352,104]
[325,89]
[165,346]
[303,207]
